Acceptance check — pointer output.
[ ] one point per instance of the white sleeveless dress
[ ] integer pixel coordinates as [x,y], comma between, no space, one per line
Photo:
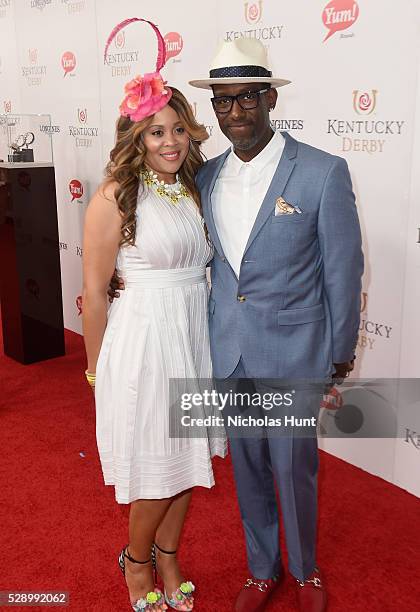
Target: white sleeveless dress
[157,330]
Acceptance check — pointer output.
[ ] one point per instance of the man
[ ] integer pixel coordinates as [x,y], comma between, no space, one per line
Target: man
[285,302]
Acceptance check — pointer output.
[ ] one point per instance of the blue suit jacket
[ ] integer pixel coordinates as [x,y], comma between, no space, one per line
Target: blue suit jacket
[300,274]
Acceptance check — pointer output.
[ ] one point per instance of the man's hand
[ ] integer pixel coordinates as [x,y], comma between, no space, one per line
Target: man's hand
[116,284]
[342,371]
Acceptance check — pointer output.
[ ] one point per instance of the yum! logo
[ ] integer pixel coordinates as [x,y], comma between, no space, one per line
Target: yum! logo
[339,15]
[76,189]
[363,102]
[174,44]
[253,12]
[68,62]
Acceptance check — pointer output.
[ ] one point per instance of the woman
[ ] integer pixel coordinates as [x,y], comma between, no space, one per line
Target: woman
[145,220]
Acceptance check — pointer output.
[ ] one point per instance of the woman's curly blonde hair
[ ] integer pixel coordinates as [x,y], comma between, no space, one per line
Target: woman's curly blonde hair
[127,162]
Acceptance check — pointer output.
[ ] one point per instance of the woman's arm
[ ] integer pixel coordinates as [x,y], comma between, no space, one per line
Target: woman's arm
[102,233]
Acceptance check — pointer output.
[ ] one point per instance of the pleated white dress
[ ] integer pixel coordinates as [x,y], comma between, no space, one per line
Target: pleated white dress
[157,330]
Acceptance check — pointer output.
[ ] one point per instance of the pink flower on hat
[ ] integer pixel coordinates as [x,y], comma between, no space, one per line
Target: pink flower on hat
[145,96]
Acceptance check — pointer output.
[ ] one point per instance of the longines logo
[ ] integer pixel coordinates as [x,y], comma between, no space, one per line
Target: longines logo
[34,72]
[174,44]
[253,12]
[339,15]
[121,60]
[357,134]
[40,4]
[74,6]
[83,135]
[287,124]
[370,331]
[364,103]
[76,190]
[68,62]
[49,129]
[412,437]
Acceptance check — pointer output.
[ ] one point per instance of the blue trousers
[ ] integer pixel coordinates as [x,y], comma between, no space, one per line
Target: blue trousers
[260,463]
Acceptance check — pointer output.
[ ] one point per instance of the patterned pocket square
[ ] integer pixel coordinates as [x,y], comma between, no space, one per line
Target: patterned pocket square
[283,208]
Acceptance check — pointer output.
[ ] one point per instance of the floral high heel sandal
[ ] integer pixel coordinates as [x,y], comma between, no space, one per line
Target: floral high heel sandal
[154,600]
[182,598]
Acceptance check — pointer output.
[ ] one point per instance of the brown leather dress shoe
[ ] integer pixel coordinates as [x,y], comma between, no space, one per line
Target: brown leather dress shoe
[311,594]
[255,594]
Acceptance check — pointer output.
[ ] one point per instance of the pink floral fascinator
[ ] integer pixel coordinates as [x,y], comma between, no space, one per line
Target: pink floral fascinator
[144,95]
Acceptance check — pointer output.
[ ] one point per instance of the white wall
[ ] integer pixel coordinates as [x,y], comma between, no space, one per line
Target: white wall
[376,55]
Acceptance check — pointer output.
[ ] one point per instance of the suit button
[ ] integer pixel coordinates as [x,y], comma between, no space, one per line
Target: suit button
[241,298]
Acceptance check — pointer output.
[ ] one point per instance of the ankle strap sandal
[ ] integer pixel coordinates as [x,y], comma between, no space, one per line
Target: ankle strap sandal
[154,599]
[183,595]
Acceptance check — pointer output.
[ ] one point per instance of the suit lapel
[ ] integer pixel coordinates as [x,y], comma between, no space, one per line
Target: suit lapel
[206,192]
[277,186]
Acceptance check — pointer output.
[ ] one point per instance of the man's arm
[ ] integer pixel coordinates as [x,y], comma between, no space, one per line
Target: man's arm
[341,248]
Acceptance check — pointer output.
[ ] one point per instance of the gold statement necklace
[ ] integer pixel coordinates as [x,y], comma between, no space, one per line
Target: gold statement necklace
[173,192]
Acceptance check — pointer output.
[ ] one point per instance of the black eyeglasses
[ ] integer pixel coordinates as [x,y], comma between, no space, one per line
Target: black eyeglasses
[246,100]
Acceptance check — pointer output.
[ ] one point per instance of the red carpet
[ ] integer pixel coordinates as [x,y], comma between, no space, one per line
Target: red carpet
[61,528]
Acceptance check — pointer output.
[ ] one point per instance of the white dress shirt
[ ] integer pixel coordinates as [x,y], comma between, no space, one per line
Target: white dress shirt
[238,194]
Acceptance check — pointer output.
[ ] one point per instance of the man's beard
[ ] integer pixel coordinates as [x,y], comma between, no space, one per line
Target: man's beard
[244,143]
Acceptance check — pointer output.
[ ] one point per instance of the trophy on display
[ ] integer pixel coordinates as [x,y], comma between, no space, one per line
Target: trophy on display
[25,139]
[20,154]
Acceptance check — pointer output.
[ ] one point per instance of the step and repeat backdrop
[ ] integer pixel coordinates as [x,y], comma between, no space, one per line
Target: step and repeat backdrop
[355,92]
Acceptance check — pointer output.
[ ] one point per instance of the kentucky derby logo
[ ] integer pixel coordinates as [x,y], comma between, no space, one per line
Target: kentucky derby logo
[174,44]
[253,12]
[4,5]
[119,40]
[364,300]
[371,333]
[33,55]
[339,15]
[194,108]
[82,115]
[34,71]
[83,134]
[364,103]
[76,189]
[68,62]
[79,305]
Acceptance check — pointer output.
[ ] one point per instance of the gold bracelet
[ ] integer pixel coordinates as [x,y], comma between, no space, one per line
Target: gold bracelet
[91,378]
